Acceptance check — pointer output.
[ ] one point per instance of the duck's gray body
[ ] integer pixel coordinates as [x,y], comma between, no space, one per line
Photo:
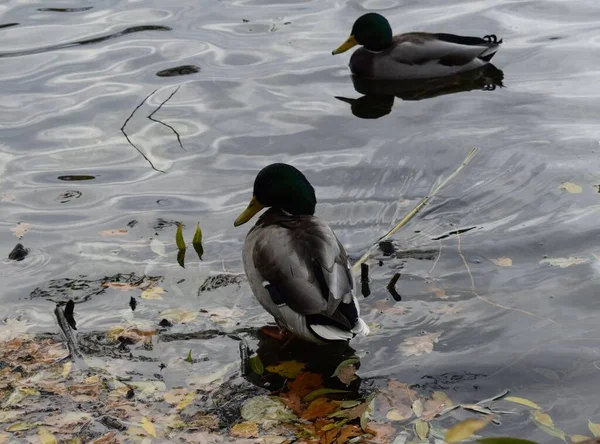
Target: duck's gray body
[300,274]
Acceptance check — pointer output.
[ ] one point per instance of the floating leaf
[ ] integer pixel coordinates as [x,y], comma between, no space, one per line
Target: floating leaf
[305,383]
[579,438]
[319,408]
[570,187]
[441,396]
[397,415]
[543,418]
[179,238]
[321,392]
[503,262]
[419,345]
[158,247]
[287,369]
[552,431]
[465,429]
[364,417]
[189,357]
[266,411]
[256,365]
[66,369]
[153,293]
[417,407]
[594,428]
[346,370]
[502,440]
[523,401]
[20,229]
[197,241]
[22,426]
[111,233]
[422,429]
[46,437]
[148,427]
[564,262]
[187,400]
[178,315]
[245,430]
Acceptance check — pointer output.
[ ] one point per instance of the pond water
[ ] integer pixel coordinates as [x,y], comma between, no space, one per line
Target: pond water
[513,302]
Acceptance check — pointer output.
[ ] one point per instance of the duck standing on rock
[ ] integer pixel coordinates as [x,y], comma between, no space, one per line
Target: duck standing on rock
[296,267]
[412,55]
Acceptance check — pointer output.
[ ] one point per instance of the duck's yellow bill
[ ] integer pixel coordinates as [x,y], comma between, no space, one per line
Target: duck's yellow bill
[351,42]
[253,207]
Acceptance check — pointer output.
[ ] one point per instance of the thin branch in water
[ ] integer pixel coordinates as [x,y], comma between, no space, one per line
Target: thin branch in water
[129,140]
[166,124]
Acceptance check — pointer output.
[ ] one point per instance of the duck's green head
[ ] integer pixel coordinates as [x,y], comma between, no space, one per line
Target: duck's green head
[280,186]
[372,31]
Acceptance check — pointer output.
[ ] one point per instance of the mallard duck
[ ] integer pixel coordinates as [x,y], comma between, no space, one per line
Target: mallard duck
[296,267]
[412,55]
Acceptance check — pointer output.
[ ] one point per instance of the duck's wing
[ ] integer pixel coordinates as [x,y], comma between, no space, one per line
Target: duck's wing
[305,267]
[418,48]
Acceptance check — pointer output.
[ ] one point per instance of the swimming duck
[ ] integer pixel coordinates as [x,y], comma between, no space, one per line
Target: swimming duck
[412,55]
[296,267]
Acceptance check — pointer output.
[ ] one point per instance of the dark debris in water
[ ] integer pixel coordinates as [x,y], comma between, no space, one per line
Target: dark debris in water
[75,177]
[18,253]
[80,290]
[454,232]
[8,25]
[68,196]
[161,224]
[221,280]
[449,381]
[83,8]
[182,70]
[420,255]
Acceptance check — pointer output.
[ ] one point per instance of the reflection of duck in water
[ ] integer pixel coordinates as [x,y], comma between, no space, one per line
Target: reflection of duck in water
[379,95]
[296,267]
[412,55]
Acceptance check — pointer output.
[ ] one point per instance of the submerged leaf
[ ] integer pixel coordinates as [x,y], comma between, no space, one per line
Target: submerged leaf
[570,187]
[523,401]
[197,241]
[305,383]
[465,429]
[21,228]
[419,345]
[594,428]
[366,415]
[321,392]
[266,411]
[46,437]
[564,262]
[442,397]
[397,415]
[245,430]
[346,370]
[181,258]
[422,429]
[179,315]
[319,408]
[287,369]
[543,418]
[158,247]
[503,262]
[148,427]
[22,426]
[179,238]
[187,400]
[153,293]
[552,431]
[417,407]
[256,365]
[579,438]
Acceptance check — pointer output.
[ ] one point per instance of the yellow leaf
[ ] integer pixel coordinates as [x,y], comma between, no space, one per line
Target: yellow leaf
[22,426]
[417,407]
[148,427]
[20,229]
[594,428]
[179,315]
[110,233]
[552,431]
[174,396]
[543,418]
[46,437]
[523,401]
[245,430]
[564,262]
[579,438]
[153,293]
[3,439]
[397,415]
[503,261]
[67,369]
[422,428]
[570,187]
[465,429]
[442,397]
[186,401]
[29,391]
[287,369]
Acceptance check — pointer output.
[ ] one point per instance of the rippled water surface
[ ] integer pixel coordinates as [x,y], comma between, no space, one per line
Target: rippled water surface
[259,85]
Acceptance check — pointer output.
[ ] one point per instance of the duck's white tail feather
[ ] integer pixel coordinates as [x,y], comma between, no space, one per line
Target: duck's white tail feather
[360,328]
[331,333]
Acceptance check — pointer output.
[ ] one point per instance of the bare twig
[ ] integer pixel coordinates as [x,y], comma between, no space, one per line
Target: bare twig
[415,210]
[166,124]
[127,137]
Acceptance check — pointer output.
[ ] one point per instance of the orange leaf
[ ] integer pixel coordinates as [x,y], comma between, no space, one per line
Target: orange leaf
[348,432]
[319,408]
[329,437]
[245,430]
[305,383]
[293,402]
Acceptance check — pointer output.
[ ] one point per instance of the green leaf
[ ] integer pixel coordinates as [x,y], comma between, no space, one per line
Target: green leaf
[287,369]
[179,238]
[189,357]
[505,441]
[256,365]
[552,431]
[197,241]
[364,418]
[320,392]
[22,426]
[594,428]
[523,401]
[181,257]
[422,429]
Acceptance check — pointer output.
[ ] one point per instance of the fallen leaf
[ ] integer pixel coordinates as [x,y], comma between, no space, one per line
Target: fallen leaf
[433,407]
[305,383]
[189,357]
[256,365]
[9,415]
[179,238]
[287,369]
[107,438]
[422,429]
[158,247]
[22,426]
[322,392]
[292,401]
[397,415]
[187,400]
[441,396]
[266,411]
[245,430]
[570,187]
[564,262]
[552,431]
[7,198]
[346,370]
[543,418]
[319,408]
[130,332]
[419,345]
[417,407]
[523,401]
[437,291]
[348,432]
[197,241]
[579,438]
[594,428]
[66,369]
[178,315]
[111,233]
[174,396]
[148,427]
[46,437]
[20,229]
[153,293]
[366,415]
[465,429]
[503,262]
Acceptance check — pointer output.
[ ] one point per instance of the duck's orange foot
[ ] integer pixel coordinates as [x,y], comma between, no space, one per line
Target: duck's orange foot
[277,333]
